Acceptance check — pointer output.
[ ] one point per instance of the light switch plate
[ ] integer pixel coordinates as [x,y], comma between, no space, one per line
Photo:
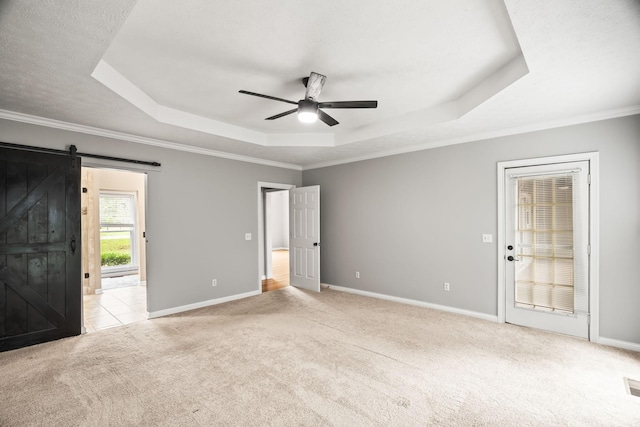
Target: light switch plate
[487,238]
[247,236]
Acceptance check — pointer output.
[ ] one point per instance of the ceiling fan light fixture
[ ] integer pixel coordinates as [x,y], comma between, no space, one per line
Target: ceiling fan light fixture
[307,116]
[307,111]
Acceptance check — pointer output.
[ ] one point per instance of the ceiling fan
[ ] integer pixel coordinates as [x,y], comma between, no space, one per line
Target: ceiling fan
[309,109]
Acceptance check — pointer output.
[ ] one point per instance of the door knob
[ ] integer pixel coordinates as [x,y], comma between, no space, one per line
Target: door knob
[510,258]
[316,244]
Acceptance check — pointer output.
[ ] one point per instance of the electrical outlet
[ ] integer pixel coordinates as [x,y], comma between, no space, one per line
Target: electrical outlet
[247,236]
[487,238]
[447,287]
[214,282]
[357,274]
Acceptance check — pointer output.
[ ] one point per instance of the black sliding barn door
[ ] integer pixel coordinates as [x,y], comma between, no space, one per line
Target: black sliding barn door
[40,256]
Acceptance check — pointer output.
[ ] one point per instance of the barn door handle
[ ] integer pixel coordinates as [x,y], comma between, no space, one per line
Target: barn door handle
[73,245]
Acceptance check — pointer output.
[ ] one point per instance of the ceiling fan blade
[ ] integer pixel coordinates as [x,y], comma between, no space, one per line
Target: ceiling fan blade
[349,104]
[314,84]
[327,118]
[286,113]
[267,97]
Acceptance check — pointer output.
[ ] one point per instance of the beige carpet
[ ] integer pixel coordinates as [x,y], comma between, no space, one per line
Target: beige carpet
[289,357]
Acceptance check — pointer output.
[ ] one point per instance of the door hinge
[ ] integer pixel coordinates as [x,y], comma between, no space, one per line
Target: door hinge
[589,179]
[588,319]
[589,250]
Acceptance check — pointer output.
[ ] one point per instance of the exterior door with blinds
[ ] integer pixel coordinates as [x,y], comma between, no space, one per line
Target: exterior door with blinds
[547,247]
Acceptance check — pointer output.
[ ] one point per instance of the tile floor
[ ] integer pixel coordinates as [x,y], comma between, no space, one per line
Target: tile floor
[115,307]
[120,282]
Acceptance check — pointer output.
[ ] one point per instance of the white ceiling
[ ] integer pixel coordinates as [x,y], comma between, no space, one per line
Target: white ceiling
[167,73]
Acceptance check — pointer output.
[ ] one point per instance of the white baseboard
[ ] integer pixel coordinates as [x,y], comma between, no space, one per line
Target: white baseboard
[182,308]
[620,344]
[476,314]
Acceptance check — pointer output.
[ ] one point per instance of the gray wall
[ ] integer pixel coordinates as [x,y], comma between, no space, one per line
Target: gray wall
[410,222]
[406,222]
[198,210]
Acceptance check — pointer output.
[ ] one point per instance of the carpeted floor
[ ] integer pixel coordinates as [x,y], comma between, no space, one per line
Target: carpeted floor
[291,357]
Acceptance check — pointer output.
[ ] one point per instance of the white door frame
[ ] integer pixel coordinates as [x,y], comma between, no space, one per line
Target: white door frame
[594,230]
[97,164]
[265,185]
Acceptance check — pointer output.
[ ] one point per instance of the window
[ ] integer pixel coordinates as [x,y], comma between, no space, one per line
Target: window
[118,232]
[545,237]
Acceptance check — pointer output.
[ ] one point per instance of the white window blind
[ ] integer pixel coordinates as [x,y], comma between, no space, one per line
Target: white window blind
[117,210]
[550,274]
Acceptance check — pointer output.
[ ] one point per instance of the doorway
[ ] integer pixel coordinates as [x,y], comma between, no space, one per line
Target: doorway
[114,250]
[276,239]
[304,235]
[548,244]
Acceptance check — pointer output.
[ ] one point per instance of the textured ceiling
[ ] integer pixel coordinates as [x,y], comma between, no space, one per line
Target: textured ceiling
[442,71]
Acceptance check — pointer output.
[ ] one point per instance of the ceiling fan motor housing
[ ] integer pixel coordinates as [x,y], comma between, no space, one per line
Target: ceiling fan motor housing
[307,105]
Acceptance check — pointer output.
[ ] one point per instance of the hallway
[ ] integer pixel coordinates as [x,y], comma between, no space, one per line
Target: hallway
[280,277]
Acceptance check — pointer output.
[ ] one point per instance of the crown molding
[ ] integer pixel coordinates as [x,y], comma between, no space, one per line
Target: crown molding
[57,124]
[90,130]
[551,124]
[506,75]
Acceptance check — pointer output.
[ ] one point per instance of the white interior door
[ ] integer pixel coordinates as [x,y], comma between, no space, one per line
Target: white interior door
[304,237]
[547,247]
